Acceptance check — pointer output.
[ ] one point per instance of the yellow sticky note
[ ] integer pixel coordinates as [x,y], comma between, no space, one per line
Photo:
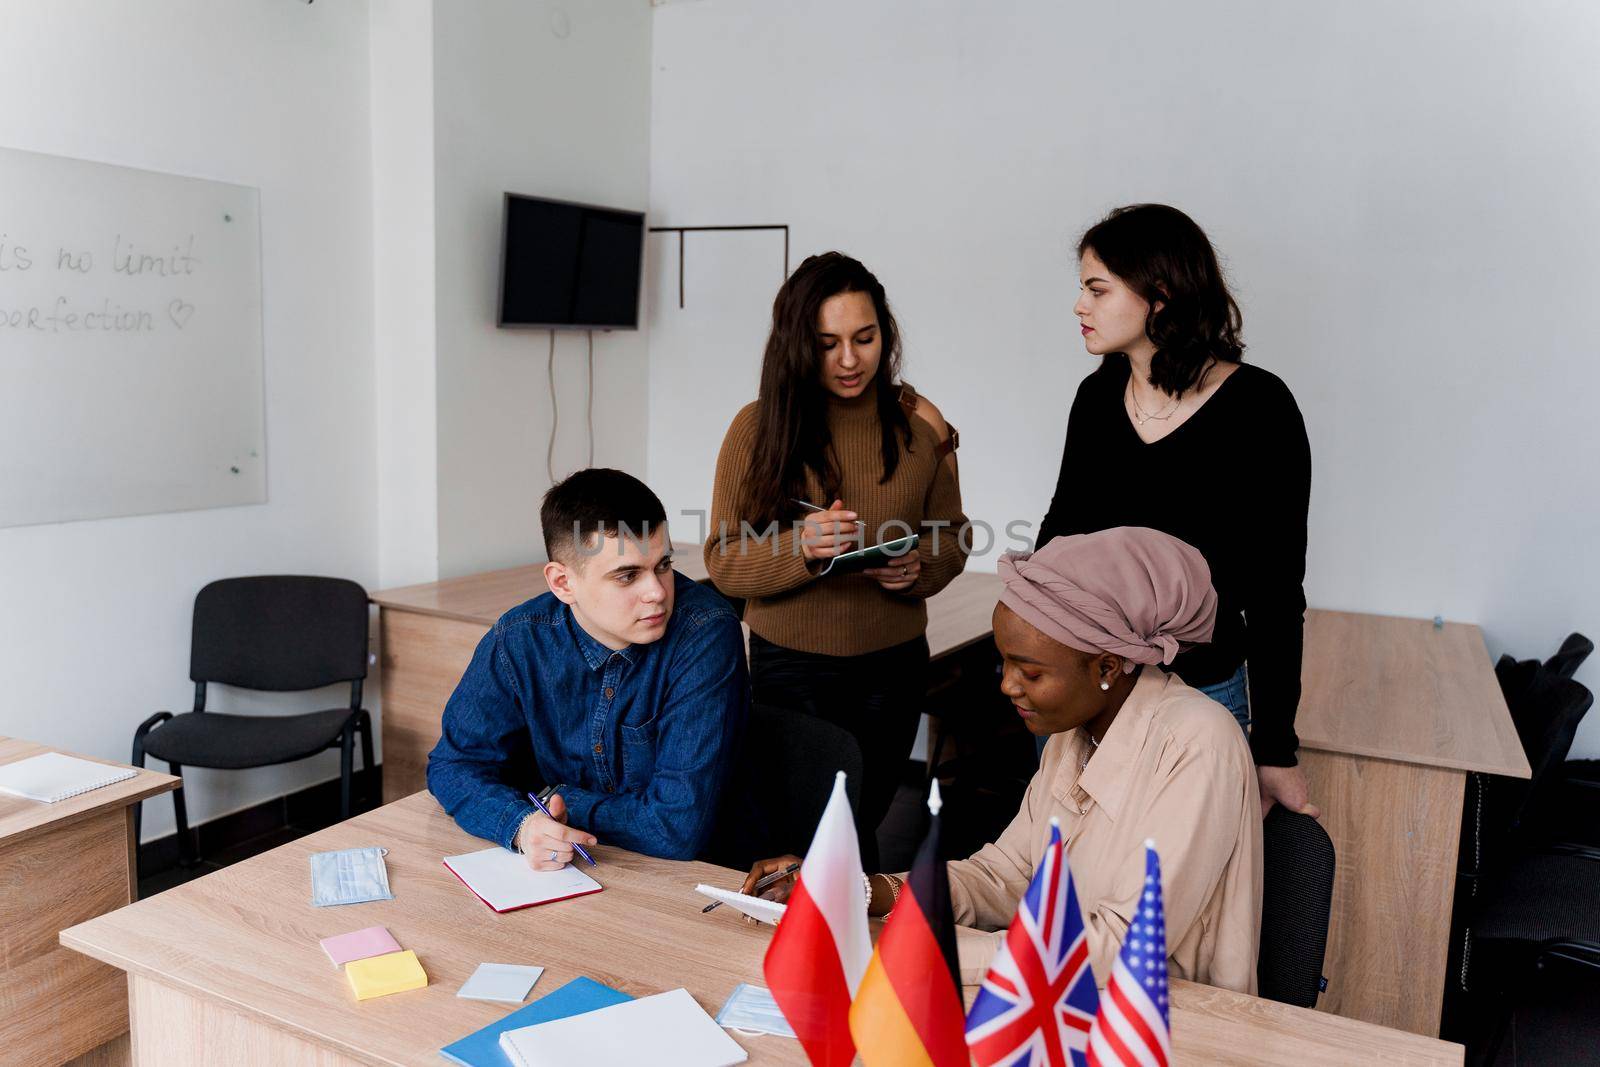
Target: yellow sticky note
[378,976]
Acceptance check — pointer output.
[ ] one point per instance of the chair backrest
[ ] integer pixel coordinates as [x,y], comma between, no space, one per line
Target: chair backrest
[1570,656]
[786,771]
[1546,708]
[1296,897]
[279,632]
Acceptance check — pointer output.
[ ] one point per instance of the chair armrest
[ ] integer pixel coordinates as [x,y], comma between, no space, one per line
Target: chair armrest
[1565,848]
[1583,953]
[158,717]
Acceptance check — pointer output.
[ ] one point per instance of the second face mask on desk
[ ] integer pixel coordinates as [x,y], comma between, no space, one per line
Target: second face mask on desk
[751,1009]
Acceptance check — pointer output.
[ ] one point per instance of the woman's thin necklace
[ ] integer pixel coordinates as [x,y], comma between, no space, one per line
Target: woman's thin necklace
[1084,764]
[1143,416]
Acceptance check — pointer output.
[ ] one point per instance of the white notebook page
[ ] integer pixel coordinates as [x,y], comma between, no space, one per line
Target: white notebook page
[504,881]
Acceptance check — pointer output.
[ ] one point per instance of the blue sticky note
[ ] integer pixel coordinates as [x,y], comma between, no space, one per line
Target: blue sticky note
[482,1047]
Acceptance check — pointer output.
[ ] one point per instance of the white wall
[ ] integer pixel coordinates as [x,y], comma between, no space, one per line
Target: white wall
[94,616]
[1404,195]
[403,311]
[549,100]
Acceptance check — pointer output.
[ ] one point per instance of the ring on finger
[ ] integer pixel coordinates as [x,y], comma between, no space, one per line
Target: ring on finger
[552,855]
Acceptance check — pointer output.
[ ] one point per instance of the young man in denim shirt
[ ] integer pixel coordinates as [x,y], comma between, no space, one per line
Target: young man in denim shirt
[625,684]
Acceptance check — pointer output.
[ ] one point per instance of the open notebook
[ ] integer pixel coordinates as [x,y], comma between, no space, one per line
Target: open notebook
[51,776]
[666,1030]
[504,881]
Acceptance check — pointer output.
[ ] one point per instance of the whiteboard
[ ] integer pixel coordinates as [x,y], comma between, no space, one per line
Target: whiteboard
[130,342]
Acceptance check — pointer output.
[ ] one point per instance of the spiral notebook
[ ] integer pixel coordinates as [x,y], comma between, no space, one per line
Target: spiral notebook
[666,1030]
[52,777]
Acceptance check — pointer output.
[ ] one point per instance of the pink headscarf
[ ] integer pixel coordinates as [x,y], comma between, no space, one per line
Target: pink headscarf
[1131,591]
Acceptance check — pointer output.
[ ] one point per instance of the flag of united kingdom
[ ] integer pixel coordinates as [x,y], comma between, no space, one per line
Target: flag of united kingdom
[1038,1000]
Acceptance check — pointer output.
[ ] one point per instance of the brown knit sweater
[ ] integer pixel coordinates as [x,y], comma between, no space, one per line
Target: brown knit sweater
[839,615]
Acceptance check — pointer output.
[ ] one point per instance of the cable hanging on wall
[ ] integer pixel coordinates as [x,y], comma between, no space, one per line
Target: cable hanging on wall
[555,407]
[555,414]
[591,397]
[682,230]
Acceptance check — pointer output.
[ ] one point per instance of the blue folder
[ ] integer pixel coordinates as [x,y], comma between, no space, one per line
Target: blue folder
[482,1048]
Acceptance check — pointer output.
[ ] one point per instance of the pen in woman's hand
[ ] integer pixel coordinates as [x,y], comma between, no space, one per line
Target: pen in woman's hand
[771,879]
[538,799]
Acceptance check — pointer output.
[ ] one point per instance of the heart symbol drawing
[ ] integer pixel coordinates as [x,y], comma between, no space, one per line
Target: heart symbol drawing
[180,312]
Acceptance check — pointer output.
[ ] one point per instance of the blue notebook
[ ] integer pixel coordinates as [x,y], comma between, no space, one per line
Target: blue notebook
[482,1048]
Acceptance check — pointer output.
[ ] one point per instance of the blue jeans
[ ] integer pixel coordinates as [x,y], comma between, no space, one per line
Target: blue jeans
[1233,694]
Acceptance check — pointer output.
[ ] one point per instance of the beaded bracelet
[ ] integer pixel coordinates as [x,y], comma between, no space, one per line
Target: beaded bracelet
[895,885]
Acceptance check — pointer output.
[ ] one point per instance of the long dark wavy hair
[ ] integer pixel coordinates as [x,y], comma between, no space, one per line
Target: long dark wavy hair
[792,406]
[1163,255]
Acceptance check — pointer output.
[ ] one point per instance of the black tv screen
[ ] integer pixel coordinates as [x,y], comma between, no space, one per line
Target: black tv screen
[569,266]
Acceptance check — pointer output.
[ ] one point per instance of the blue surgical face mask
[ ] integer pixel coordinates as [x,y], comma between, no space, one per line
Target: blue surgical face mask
[752,1010]
[349,876]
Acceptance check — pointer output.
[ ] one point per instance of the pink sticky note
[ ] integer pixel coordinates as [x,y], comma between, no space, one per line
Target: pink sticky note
[373,941]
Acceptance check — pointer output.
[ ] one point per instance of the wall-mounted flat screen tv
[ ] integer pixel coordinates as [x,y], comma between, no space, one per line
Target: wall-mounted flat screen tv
[567,266]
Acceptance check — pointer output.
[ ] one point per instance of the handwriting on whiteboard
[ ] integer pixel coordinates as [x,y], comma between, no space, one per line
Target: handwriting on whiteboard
[165,307]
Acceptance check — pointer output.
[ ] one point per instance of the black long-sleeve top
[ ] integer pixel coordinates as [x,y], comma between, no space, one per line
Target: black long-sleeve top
[1234,481]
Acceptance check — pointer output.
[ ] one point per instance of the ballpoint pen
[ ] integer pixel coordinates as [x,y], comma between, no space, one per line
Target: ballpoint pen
[774,877]
[580,849]
[812,507]
[861,528]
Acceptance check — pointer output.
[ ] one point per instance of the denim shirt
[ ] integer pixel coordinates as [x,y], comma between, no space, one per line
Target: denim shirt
[639,740]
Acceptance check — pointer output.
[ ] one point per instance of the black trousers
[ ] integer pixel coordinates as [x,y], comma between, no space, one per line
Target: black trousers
[878,697]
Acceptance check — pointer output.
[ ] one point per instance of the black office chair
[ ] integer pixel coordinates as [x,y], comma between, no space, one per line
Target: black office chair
[1576,803]
[1297,865]
[1572,808]
[277,633]
[803,754]
[780,784]
[1524,901]
[1542,914]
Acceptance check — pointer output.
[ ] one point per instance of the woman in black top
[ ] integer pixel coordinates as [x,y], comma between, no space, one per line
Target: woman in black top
[1204,448]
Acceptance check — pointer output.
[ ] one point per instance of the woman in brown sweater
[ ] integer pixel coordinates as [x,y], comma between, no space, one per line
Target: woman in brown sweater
[836,451]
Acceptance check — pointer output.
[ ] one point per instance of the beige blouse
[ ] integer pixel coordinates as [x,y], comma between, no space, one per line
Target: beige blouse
[1174,767]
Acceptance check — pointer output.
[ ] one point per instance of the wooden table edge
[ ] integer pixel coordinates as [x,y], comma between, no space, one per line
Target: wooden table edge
[156,783]
[73,939]
[1312,744]
[1429,1049]
[436,613]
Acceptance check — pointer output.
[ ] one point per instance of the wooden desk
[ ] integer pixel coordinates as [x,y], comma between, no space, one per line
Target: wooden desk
[1393,715]
[226,969]
[427,634]
[60,864]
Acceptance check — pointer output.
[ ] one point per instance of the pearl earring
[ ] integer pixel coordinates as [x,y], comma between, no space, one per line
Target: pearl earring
[1104,686]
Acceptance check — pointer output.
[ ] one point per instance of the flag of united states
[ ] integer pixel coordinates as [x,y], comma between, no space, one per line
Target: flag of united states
[1132,1027]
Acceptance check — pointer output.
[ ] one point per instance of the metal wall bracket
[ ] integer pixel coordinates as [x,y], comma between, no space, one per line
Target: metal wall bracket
[682,230]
